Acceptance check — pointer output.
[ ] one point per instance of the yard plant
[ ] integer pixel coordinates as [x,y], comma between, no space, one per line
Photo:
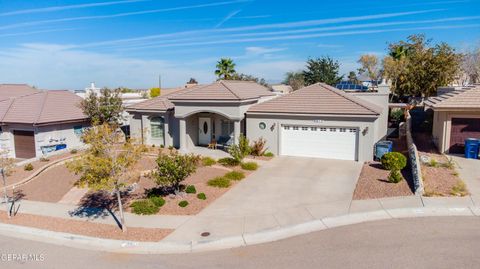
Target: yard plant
[228,162]
[250,166]
[395,162]
[183,203]
[190,189]
[28,167]
[258,147]
[202,196]
[173,168]
[144,207]
[219,182]
[207,161]
[235,175]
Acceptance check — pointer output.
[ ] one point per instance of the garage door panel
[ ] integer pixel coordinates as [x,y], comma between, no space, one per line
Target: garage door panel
[320,142]
[461,129]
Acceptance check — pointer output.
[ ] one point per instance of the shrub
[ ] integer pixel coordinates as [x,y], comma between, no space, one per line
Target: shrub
[183,203]
[219,182]
[258,147]
[190,189]
[171,148]
[433,163]
[240,150]
[450,164]
[28,167]
[250,166]
[236,153]
[207,161]
[459,189]
[394,161]
[397,115]
[74,151]
[157,200]
[202,196]
[228,162]
[144,207]
[162,146]
[44,159]
[235,175]
[174,168]
[268,154]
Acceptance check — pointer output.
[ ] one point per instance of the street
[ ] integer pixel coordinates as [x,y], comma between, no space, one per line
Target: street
[435,242]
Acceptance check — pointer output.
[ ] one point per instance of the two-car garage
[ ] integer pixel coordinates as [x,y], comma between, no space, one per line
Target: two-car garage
[319,142]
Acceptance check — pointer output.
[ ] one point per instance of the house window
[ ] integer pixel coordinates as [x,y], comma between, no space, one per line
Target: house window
[343,130]
[304,128]
[313,128]
[262,125]
[295,128]
[323,129]
[157,127]
[286,127]
[227,128]
[333,129]
[353,130]
[78,130]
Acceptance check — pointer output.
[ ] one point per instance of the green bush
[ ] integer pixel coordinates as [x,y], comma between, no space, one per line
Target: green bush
[157,200]
[173,168]
[394,161]
[207,161]
[268,154]
[190,189]
[44,159]
[183,203]
[235,175]
[144,207]
[219,182]
[202,196]
[250,166]
[28,167]
[228,162]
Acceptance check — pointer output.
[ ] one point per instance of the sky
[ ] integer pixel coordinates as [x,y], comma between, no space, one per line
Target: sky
[66,44]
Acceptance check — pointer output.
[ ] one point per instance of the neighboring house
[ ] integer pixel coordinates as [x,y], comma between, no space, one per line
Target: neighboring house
[316,121]
[321,121]
[35,122]
[282,88]
[456,117]
[195,116]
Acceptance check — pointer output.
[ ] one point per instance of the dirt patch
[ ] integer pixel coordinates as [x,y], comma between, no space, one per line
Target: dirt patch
[17,173]
[49,186]
[439,177]
[373,181]
[86,228]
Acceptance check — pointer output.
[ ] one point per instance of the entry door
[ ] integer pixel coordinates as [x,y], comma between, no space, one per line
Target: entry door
[320,142]
[204,131]
[24,144]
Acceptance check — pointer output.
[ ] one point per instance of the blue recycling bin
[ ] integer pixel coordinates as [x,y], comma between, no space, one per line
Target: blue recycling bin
[383,147]
[472,146]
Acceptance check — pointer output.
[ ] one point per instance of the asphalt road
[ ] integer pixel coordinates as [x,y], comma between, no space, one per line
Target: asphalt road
[405,243]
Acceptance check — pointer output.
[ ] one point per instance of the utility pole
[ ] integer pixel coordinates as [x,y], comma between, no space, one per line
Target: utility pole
[160,82]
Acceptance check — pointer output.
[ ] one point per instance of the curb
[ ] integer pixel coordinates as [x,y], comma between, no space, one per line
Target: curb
[269,235]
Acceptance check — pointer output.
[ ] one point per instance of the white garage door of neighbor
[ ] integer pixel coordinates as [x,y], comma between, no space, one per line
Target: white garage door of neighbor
[320,142]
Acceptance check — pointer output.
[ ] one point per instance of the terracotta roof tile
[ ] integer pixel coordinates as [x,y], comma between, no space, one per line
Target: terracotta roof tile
[318,99]
[15,90]
[463,98]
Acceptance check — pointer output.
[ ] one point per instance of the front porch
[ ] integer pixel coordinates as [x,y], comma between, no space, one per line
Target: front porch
[212,153]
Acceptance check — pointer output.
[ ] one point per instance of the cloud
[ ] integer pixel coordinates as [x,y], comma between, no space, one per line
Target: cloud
[67,7]
[142,12]
[38,32]
[261,50]
[273,71]
[228,17]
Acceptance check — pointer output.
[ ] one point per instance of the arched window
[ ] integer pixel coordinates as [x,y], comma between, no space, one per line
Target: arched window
[157,127]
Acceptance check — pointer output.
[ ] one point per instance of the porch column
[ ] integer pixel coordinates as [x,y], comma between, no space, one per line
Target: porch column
[145,131]
[183,135]
[236,131]
[166,130]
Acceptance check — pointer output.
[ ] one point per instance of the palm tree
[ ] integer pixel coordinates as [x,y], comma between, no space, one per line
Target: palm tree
[225,68]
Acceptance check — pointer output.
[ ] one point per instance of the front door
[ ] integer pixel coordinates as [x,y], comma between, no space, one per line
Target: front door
[204,131]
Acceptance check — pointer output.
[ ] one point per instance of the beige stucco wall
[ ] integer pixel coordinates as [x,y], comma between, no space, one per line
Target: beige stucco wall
[381,100]
[140,128]
[442,123]
[272,134]
[44,136]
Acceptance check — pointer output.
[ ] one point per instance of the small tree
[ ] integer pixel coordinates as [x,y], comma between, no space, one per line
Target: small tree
[173,168]
[394,161]
[154,92]
[245,77]
[6,163]
[104,108]
[240,150]
[106,163]
[323,69]
[370,67]
[296,80]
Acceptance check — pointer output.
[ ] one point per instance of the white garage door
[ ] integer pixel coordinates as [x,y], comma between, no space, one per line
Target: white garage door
[319,142]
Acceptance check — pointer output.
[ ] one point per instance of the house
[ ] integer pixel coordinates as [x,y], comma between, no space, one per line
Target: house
[456,116]
[35,122]
[316,121]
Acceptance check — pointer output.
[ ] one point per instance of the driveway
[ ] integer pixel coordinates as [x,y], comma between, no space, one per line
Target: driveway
[284,191]
[469,171]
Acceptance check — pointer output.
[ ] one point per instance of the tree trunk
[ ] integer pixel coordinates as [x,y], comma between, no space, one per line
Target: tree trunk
[5,196]
[120,208]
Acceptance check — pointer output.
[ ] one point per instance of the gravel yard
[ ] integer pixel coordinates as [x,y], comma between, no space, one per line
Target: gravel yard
[86,228]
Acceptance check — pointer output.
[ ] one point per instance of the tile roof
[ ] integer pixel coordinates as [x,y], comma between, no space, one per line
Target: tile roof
[468,98]
[42,107]
[15,90]
[318,98]
[160,103]
[229,90]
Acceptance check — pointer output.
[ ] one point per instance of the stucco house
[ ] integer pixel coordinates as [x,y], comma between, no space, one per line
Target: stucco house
[456,116]
[316,121]
[35,122]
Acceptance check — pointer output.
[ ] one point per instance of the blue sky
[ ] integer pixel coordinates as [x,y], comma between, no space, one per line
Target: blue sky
[67,44]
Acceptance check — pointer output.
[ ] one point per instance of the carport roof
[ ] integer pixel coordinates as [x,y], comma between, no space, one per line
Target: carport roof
[468,98]
[318,98]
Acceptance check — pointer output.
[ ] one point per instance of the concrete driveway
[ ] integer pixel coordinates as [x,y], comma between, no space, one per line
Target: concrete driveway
[469,171]
[284,191]
[287,182]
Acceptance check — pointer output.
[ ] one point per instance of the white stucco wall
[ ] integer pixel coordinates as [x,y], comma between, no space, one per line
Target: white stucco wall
[44,136]
[272,134]
[140,122]
[381,100]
